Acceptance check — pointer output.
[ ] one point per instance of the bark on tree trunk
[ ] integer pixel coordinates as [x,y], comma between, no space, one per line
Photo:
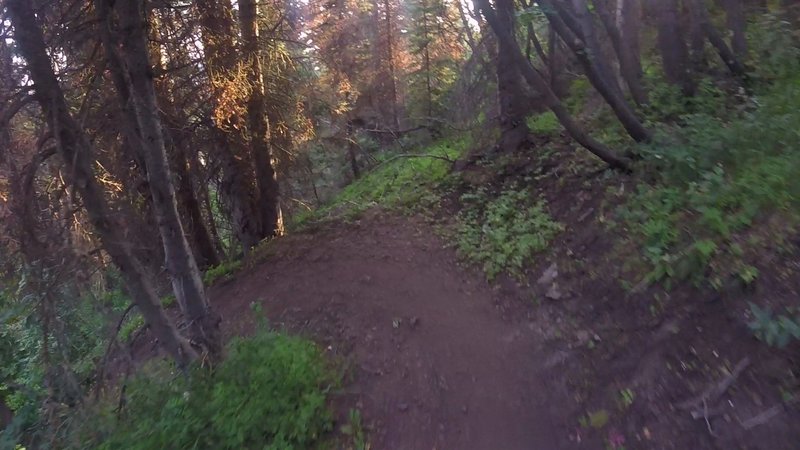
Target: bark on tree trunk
[540,84]
[737,23]
[629,64]
[674,53]
[75,149]
[258,127]
[700,14]
[187,283]
[510,89]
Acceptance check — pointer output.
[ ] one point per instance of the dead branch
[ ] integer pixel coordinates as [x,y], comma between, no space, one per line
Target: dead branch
[714,392]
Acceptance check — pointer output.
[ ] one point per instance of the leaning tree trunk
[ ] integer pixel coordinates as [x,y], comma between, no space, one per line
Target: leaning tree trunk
[629,64]
[571,32]
[510,89]
[187,283]
[266,179]
[75,150]
[540,84]
[700,14]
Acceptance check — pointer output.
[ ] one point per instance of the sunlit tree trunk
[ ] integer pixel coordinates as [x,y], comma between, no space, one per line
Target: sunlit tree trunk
[258,127]
[237,184]
[75,149]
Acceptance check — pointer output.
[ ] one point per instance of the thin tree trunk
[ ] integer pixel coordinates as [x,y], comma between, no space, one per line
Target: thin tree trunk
[187,283]
[258,127]
[75,149]
[594,73]
[700,13]
[540,84]
[737,23]
[587,34]
[466,27]
[629,65]
[390,55]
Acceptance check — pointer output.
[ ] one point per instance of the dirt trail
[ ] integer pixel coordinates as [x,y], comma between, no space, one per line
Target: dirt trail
[439,360]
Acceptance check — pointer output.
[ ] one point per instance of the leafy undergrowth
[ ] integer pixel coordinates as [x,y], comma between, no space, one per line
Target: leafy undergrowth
[399,182]
[719,182]
[270,392]
[502,234]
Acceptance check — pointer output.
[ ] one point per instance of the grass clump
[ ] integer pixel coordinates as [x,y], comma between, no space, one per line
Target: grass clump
[269,393]
[221,272]
[503,234]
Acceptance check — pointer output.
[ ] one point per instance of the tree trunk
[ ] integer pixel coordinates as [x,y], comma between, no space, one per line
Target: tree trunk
[587,34]
[187,283]
[540,84]
[568,30]
[700,13]
[737,23]
[258,127]
[75,149]
[674,53]
[510,89]
[237,181]
[390,55]
[630,65]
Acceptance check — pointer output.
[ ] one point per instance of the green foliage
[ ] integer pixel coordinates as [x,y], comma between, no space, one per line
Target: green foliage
[269,393]
[502,234]
[774,331]
[222,272]
[715,180]
[401,182]
[545,124]
[774,47]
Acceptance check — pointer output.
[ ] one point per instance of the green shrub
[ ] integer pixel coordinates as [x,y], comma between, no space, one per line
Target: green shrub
[774,331]
[269,393]
[716,179]
[502,234]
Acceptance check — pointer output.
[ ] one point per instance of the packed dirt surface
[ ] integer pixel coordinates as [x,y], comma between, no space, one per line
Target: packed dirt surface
[438,359]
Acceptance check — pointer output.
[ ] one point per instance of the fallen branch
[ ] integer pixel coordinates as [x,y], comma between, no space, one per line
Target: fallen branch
[714,392]
[766,416]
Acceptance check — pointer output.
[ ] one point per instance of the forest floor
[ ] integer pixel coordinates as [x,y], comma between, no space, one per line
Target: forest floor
[438,358]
